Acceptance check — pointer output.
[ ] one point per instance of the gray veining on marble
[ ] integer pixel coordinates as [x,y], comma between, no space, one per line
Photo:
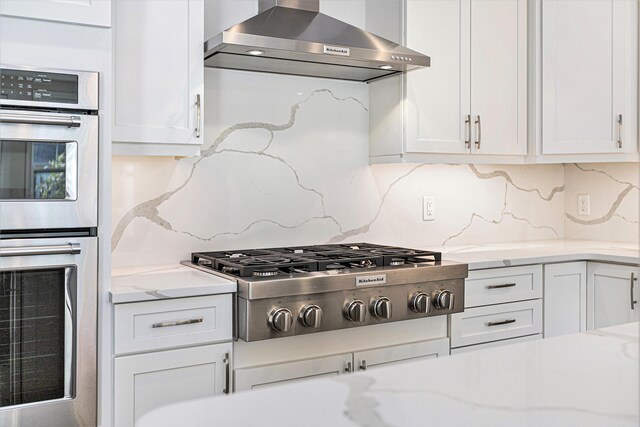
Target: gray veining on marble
[149,208]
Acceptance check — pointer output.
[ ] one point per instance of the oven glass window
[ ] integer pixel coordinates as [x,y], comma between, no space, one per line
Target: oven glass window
[33,170]
[32,336]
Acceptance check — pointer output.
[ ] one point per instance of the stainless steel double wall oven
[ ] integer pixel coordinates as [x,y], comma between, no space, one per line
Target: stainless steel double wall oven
[48,246]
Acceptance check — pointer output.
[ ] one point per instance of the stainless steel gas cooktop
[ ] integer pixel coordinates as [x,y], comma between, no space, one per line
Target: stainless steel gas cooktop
[300,290]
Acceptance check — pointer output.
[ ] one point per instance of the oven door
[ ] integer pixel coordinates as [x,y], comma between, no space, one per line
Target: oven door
[48,332]
[48,170]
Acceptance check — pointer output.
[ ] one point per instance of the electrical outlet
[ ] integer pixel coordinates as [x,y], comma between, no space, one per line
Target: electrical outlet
[428,208]
[584,205]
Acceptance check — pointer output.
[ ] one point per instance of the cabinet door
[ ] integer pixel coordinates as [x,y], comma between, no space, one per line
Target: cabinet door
[146,382]
[401,353]
[437,98]
[158,72]
[87,12]
[499,76]
[589,76]
[281,373]
[611,289]
[565,298]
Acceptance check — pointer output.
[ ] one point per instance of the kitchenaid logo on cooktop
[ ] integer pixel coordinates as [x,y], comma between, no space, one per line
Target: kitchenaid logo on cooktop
[334,50]
[380,279]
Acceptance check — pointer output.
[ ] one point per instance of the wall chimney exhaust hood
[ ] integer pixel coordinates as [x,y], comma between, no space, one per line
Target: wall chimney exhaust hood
[293,37]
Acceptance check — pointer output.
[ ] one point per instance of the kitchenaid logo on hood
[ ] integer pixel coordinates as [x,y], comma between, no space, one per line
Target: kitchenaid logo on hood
[334,50]
[380,279]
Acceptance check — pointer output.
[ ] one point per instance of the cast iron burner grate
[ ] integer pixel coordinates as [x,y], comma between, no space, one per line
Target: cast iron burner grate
[303,259]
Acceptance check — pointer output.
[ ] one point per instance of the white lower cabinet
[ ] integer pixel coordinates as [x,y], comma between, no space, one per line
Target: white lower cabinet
[612,295]
[494,344]
[502,306]
[289,372]
[170,352]
[147,382]
[299,370]
[565,298]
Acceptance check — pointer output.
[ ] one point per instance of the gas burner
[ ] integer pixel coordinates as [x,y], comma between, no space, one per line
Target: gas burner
[397,261]
[335,267]
[266,272]
[365,263]
[229,270]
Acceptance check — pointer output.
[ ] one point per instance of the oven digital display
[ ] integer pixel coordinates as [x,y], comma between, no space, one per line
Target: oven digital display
[38,86]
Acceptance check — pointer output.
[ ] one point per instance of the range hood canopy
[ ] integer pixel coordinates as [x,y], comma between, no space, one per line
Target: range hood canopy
[293,37]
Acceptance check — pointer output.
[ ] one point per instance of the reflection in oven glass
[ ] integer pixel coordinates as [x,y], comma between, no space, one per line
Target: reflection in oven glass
[32,170]
[32,340]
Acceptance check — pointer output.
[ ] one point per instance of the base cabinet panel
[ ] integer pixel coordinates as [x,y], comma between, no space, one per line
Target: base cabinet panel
[565,298]
[289,372]
[612,292]
[494,344]
[146,382]
[386,356]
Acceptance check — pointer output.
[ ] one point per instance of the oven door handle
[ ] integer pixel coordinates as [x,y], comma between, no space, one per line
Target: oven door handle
[32,119]
[68,249]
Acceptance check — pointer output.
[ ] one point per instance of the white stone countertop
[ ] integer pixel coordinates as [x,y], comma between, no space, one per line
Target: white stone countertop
[587,380]
[544,251]
[147,283]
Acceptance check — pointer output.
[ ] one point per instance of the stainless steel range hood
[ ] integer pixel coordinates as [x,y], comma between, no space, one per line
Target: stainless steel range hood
[293,37]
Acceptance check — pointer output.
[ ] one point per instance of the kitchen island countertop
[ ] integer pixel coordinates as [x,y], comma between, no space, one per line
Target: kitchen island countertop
[587,379]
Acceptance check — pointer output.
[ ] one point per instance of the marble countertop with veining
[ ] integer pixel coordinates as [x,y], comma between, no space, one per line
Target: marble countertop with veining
[544,251]
[148,283]
[587,380]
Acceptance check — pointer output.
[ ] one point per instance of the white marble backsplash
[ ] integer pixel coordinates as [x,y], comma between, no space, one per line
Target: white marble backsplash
[285,162]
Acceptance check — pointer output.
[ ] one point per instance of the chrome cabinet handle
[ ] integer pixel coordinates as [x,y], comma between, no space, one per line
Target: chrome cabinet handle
[69,249]
[501,322]
[363,365]
[29,119]
[631,282]
[506,285]
[479,132]
[227,374]
[198,116]
[177,323]
[349,368]
[467,140]
[619,130]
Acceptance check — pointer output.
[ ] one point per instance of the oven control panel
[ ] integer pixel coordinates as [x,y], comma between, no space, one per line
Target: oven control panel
[295,315]
[38,86]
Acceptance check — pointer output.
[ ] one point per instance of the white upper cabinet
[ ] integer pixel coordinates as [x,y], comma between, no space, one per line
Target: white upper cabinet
[499,76]
[158,77]
[589,76]
[86,12]
[473,98]
[438,98]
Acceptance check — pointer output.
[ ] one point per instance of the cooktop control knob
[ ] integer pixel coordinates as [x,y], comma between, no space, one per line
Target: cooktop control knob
[381,308]
[355,311]
[420,303]
[311,316]
[443,300]
[281,320]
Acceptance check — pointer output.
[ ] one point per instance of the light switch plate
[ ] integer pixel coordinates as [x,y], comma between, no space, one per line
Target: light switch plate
[428,208]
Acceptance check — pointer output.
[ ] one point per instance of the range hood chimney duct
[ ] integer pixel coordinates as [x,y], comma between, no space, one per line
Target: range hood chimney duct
[310,5]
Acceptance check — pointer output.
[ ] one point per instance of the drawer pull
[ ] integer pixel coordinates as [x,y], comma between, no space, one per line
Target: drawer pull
[363,365]
[506,285]
[501,322]
[177,323]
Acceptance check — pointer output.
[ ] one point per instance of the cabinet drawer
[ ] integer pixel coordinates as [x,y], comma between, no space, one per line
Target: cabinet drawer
[496,322]
[494,344]
[499,285]
[163,324]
